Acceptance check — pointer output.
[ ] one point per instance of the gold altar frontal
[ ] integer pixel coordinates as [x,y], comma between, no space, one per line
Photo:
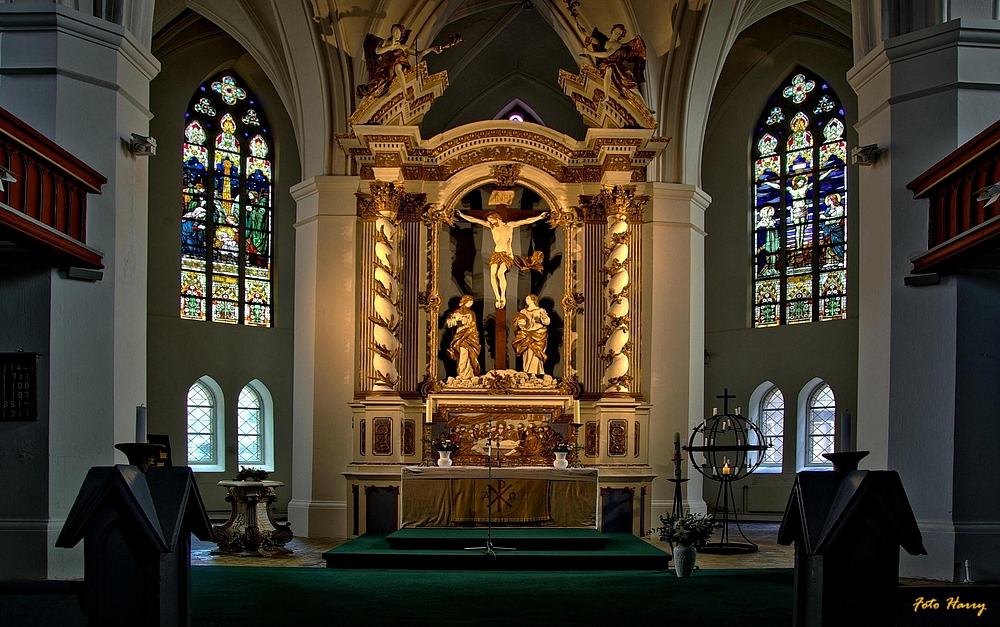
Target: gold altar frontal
[521,496]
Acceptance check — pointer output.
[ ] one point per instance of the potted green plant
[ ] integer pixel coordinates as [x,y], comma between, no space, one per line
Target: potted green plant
[687,533]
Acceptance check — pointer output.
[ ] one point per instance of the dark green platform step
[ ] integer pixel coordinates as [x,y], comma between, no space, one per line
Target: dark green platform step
[622,552]
[522,539]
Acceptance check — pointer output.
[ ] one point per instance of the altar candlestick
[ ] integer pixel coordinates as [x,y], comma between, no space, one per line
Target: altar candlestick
[429,416]
[140,424]
[577,418]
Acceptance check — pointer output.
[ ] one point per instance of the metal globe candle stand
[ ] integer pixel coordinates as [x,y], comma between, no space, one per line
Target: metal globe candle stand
[732,448]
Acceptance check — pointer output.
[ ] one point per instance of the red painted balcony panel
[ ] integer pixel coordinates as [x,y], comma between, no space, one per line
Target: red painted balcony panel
[50,191]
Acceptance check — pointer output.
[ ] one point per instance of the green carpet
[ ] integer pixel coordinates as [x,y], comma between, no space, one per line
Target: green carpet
[324,596]
[524,538]
[622,552]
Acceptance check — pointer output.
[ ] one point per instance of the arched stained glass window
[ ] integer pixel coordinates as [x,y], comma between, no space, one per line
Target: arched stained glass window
[771,421]
[820,425]
[226,251]
[799,209]
[204,425]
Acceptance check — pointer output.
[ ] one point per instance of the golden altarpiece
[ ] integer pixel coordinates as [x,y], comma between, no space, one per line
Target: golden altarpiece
[501,281]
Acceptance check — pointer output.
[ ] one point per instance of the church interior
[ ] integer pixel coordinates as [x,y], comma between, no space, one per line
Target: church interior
[333,241]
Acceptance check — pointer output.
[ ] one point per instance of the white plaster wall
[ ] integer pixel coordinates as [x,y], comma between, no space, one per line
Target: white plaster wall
[921,96]
[326,297]
[84,83]
[674,323]
[741,357]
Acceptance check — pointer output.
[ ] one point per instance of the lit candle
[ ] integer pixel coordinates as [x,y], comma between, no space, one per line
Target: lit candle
[725,469]
[140,424]
[429,417]
[577,418]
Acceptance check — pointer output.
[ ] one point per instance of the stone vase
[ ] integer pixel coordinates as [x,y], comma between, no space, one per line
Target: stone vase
[560,461]
[684,557]
[444,459]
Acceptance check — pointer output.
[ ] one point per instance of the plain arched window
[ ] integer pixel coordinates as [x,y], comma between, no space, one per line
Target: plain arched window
[771,422]
[226,228]
[819,426]
[799,207]
[254,426]
[205,440]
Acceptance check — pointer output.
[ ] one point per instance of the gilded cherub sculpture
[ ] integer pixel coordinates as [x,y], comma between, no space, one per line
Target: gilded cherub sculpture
[386,58]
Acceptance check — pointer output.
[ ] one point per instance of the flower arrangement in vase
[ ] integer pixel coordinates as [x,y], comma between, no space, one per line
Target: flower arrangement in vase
[251,474]
[687,532]
[445,446]
[562,449]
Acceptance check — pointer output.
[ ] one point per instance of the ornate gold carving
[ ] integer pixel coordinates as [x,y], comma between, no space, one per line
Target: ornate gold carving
[363,432]
[617,430]
[591,439]
[505,175]
[635,444]
[521,435]
[409,437]
[565,218]
[613,200]
[382,444]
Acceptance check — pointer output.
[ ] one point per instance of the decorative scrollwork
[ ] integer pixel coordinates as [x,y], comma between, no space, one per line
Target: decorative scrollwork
[505,175]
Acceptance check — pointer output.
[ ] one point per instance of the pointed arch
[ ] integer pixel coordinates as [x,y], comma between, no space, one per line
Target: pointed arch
[226,219]
[799,205]
[205,411]
[518,106]
[255,426]
[817,425]
[767,411]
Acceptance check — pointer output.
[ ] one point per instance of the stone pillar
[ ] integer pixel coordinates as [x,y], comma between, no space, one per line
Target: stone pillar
[674,345]
[921,95]
[326,297]
[84,83]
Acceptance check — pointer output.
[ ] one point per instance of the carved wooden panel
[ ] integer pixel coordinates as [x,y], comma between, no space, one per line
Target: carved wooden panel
[591,437]
[381,508]
[635,443]
[382,436]
[363,432]
[617,438]
[616,509]
[409,440]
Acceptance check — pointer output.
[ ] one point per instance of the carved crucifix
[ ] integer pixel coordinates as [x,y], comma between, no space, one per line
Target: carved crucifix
[501,222]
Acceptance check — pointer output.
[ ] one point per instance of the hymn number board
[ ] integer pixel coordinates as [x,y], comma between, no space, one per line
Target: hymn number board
[18,377]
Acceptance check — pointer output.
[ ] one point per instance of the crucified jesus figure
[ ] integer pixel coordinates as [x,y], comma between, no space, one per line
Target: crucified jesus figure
[503,258]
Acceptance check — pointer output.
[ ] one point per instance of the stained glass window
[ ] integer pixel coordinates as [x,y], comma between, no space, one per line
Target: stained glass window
[771,421]
[250,427]
[203,429]
[820,425]
[799,213]
[226,216]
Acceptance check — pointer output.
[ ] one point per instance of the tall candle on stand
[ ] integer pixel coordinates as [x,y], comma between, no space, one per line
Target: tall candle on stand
[140,424]
[677,455]
[429,417]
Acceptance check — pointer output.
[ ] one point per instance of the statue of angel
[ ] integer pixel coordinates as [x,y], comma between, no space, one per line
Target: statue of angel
[611,54]
[386,58]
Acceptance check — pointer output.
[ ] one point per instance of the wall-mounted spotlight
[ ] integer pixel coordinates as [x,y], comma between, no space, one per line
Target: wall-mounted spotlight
[6,176]
[864,155]
[142,146]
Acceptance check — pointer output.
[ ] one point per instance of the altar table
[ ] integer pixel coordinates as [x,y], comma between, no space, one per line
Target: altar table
[463,496]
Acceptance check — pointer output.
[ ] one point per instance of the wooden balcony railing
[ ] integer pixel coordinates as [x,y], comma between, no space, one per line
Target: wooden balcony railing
[959,226]
[45,210]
